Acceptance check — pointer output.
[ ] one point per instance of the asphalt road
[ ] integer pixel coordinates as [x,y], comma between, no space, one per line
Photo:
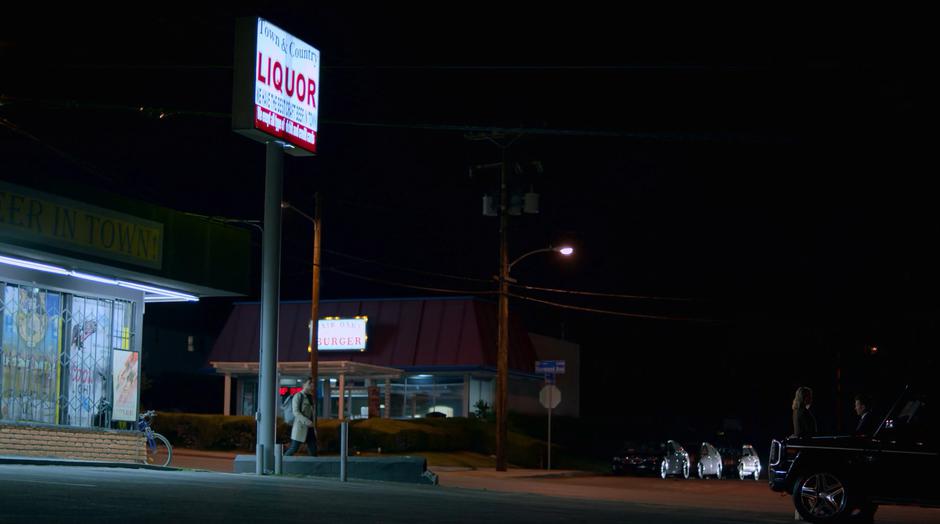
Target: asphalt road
[726,497]
[81,494]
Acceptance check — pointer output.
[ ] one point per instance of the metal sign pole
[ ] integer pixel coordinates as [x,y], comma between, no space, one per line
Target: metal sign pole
[343,449]
[550,427]
[270,297]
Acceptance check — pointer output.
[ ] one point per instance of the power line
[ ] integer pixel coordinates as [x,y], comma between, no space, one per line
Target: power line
[402,284]
[446,67]
[606,311]
[403,268]
[600,294]
[66,156]
[162,113]
[256,224]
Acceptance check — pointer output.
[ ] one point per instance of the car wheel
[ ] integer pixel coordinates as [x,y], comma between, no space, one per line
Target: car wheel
[756,474]
[821,497]
[718,475]
[701,471]
[685,470]
[741,474]
[663,470]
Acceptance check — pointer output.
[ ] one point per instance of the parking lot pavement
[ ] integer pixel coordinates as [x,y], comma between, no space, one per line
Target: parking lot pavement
[727,495]
[71,494]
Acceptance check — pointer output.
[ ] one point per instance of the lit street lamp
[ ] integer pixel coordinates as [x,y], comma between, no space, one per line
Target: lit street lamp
[502,354]
[565,250]
[317,221]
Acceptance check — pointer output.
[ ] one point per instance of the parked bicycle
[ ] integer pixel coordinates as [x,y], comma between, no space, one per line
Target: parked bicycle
[159,450]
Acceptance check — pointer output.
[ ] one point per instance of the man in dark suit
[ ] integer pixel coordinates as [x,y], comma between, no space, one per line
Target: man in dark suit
[866,421]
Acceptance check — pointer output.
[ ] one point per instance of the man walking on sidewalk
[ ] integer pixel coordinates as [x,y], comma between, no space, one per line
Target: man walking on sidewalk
[305,429]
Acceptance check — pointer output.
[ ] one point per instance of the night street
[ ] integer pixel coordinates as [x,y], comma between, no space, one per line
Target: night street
[481,240]
[74,494]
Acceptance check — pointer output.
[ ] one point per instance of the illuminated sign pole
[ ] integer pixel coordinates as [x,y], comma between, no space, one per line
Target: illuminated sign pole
[274,101]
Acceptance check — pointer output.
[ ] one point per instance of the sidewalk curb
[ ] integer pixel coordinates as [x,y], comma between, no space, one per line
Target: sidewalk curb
[53,461]
[202,454]
[567,474]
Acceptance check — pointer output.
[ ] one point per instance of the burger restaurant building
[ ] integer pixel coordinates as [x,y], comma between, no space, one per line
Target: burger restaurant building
[393,358]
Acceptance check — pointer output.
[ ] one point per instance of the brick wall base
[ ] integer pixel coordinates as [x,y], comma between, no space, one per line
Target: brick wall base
[71,443]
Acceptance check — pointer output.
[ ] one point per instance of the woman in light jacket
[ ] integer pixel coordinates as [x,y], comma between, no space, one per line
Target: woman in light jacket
[304,429]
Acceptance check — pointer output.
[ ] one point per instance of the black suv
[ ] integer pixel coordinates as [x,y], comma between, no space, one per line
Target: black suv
[834,478]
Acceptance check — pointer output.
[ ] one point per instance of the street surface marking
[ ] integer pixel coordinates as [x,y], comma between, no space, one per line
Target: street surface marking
[58,483]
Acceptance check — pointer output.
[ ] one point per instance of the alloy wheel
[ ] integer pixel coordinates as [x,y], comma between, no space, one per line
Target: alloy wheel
[822,495]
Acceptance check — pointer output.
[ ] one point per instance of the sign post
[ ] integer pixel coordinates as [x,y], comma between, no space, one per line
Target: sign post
[550,396]
[274,101]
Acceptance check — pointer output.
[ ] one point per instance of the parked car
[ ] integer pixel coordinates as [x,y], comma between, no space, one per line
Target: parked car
[638,459]
[833,478]
[675,461]
[709,461]
[749,463]
[730,456]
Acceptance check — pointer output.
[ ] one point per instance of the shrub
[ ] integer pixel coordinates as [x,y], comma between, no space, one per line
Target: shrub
[220,432]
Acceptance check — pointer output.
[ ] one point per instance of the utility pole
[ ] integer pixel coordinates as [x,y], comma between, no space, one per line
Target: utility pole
[502,336]
[502,331]
[315,293]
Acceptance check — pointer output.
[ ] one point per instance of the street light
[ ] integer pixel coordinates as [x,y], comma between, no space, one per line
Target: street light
[502,336]
[564,250]
[317,221]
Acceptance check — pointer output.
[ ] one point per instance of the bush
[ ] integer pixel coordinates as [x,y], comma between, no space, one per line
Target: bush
[231,433]
[220,432]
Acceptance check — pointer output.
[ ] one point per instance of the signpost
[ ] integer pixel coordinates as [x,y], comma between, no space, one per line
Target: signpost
[274,101]
[550,396]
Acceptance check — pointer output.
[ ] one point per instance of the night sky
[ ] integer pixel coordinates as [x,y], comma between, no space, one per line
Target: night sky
[769,171]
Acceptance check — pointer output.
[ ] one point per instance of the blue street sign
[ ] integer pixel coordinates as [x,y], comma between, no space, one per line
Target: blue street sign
[549,366]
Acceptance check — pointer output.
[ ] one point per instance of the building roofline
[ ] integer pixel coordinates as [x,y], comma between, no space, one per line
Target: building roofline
[376,299]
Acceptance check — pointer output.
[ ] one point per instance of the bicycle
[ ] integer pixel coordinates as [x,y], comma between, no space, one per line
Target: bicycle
[159,450]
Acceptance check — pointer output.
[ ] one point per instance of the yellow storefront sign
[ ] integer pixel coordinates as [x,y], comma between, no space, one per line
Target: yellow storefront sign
[50,220]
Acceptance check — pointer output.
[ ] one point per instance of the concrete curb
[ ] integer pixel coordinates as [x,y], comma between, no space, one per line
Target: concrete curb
[566,474]
[54,461]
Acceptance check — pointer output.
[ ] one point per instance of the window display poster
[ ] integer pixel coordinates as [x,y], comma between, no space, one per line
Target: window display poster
[29,359]
[125,375]
[88,359]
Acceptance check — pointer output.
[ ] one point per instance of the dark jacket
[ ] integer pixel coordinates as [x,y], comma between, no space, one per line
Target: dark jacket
[804,423]
[867,424]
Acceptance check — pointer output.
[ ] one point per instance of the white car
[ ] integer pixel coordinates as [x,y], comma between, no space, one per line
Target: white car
[749,463]
[675,461]
[709,461]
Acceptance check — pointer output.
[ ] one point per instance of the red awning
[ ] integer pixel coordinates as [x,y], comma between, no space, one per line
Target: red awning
[403,333]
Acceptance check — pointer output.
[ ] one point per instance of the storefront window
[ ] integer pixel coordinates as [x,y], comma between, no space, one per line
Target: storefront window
[30,354]
[481,394]
[433,394]
[249,394]
[66,359]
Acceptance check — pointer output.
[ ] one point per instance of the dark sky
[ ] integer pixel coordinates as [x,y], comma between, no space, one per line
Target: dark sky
[770,167]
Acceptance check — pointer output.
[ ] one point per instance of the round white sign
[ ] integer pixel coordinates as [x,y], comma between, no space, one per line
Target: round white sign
[554,393]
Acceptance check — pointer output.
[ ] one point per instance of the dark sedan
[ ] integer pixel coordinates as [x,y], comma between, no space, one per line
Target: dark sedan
[638,459]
